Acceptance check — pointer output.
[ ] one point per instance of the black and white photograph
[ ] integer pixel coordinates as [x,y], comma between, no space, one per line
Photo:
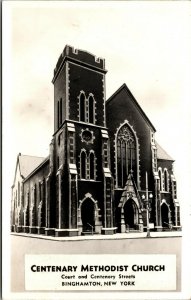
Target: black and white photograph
[96,149]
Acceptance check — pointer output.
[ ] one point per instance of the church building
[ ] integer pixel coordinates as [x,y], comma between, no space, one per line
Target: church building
[105,172]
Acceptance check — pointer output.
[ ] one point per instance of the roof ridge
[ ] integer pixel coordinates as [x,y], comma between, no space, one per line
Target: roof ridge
[31,156]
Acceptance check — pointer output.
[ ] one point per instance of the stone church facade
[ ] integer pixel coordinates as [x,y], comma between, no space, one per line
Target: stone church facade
[105,172]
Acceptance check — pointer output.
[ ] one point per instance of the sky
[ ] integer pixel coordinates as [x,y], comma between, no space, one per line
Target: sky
[146,44]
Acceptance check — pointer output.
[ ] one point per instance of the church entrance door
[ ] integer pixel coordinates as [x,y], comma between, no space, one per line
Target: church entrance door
[165,215]
[130,214]
[88,215]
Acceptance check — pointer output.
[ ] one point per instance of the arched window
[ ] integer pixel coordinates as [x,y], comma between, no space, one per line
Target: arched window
[160,179]
[91,109]
[82,107]
[126,155]
[92,165]
[33,195]
[165,180]
[83,165]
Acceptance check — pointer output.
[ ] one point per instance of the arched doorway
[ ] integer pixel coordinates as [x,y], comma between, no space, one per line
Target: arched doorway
[130,214]
[165,215]
[88,215]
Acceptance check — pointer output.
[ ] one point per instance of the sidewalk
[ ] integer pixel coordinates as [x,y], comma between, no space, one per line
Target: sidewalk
[117,236]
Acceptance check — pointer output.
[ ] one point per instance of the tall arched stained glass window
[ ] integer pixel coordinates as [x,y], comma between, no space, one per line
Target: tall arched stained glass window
[82,108]
[160,180]
[83,164]
[91,109]
[165,180]
[126,155]
[92,165]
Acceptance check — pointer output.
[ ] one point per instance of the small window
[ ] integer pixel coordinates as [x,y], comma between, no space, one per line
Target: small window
[33,198]
[40,191]
[152,138]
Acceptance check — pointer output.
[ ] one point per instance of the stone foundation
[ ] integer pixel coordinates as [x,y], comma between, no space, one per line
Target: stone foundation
[108,231]
[32,229]
[66,232]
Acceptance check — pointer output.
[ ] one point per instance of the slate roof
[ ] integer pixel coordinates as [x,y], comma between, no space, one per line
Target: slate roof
[162,154]
[28,163]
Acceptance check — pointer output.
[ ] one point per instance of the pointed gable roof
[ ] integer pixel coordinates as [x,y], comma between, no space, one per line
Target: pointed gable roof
[28,163]
[124,87]
[162,154]
[130,191]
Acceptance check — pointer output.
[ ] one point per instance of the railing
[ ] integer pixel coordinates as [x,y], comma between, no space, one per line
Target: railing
[170,226]
[92,228]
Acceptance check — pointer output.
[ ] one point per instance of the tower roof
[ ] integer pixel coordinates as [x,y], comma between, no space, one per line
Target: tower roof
[79,56]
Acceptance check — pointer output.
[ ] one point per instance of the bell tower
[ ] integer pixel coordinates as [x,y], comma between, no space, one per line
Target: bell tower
[81,146]
[79,88]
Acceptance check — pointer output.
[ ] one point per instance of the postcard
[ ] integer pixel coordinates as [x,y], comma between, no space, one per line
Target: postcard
[96,150]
